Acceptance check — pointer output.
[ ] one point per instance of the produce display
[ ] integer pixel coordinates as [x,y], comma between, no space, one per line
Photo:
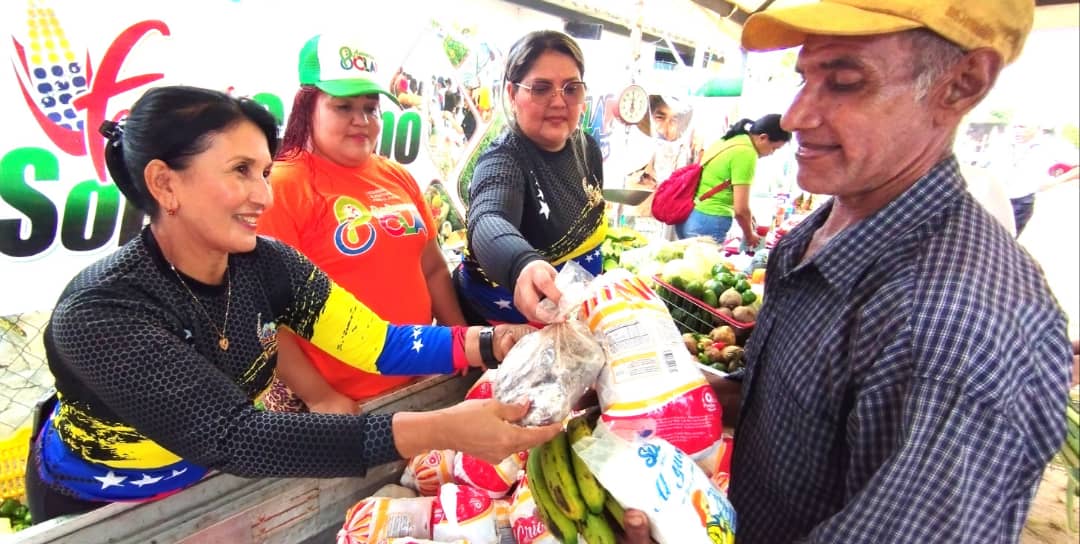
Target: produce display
[717,349]
[618,240]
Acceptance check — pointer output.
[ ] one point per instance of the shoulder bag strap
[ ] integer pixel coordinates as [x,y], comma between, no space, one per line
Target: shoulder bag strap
[709,194]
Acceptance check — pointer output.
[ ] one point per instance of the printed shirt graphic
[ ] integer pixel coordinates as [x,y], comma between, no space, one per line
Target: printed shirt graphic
[148,401]
[736,162]
[366,227]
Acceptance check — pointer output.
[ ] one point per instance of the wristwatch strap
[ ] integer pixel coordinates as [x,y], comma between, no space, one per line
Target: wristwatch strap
[487,350]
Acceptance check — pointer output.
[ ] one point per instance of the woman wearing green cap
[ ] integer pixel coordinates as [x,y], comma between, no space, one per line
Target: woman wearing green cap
[358,216]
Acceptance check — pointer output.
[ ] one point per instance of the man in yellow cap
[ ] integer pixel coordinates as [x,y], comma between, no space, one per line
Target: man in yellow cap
[907,374]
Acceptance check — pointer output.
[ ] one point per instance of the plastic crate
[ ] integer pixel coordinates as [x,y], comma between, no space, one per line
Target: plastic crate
[693,315]
[13,452]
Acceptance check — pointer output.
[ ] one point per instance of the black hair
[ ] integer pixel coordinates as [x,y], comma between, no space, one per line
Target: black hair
[173,124]
[769,125]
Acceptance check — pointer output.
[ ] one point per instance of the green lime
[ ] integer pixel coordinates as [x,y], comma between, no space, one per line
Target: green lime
[678,283]
[742,286]
[748,297]
[695,289]
[709,297]
[727,279]
[712,285]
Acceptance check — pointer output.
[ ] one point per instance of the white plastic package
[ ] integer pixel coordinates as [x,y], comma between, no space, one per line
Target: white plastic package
[682,504]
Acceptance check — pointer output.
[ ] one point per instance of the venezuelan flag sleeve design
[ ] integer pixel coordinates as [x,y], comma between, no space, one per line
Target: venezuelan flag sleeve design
[336,322]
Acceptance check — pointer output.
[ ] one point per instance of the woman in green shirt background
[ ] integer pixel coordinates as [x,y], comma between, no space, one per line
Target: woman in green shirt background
[734,159]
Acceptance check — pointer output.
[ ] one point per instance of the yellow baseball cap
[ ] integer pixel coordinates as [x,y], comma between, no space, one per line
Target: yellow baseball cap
[1002,25]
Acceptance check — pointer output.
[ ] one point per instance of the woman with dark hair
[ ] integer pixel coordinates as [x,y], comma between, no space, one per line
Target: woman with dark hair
[535,200]
[360,217]
[729,166]
[161,350]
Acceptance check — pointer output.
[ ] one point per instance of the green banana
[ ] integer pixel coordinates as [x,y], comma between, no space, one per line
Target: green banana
[591,490]
[615,510]
[559,475]
[561,527]
[596,530]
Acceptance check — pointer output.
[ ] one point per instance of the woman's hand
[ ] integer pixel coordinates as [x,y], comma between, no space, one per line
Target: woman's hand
[506,336]
[484,429]
[536,282]
[503,338]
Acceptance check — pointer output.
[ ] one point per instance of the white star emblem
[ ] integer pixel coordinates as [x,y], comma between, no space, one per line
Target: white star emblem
[416,332]
[417,345]
[544,210]
[176,473]
[588,258]
[146,480]
[111,480]
[503,304]
[597,252]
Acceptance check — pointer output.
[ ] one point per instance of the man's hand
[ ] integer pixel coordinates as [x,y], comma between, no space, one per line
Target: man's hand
[636,528]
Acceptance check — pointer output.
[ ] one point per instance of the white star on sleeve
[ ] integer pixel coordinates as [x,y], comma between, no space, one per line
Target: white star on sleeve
[589,257]
[545,210]
[417,345]
[503,304]
[176,473]
[111,480]
[416,332]
[146,480]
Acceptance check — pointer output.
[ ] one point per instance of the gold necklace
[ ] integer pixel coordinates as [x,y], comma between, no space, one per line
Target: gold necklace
[223,341]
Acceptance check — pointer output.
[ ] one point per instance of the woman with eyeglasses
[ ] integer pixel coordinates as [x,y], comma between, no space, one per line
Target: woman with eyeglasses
[535,201]
[358,216]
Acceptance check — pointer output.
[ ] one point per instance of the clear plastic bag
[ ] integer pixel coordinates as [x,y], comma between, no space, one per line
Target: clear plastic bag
[553,367]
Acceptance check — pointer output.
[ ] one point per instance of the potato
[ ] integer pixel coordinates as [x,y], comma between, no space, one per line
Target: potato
[746,314]
[730,298]
[691,343]
[723,334]
[724,311]
[714,355]
[730,354]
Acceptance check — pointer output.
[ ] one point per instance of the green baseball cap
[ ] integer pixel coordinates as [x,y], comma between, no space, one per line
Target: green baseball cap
[338,68]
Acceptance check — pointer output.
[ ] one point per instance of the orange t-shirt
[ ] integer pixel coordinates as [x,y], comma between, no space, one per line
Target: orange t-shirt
[366,227]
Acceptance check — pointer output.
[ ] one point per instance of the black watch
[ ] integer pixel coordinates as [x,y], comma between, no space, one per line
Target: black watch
[487,350]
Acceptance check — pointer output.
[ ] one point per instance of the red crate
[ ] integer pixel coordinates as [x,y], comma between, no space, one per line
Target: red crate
[693,315]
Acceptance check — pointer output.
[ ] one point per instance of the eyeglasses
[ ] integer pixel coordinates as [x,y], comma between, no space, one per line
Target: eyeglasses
[543,92]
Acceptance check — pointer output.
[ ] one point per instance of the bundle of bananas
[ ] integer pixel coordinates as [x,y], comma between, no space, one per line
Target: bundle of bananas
[1070,453]
[568,497]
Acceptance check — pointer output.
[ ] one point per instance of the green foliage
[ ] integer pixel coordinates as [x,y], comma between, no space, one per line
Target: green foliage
[498,122]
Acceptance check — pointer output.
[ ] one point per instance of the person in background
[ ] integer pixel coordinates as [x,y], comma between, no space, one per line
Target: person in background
[161,350]
[1031,159]
[668,144]
[730,164]
[358,216]
[923,397]
[535,198]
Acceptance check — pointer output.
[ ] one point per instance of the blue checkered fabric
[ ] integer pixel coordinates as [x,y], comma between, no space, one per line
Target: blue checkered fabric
[905,384]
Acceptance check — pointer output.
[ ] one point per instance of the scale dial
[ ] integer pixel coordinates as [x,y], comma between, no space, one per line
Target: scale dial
[633,105]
